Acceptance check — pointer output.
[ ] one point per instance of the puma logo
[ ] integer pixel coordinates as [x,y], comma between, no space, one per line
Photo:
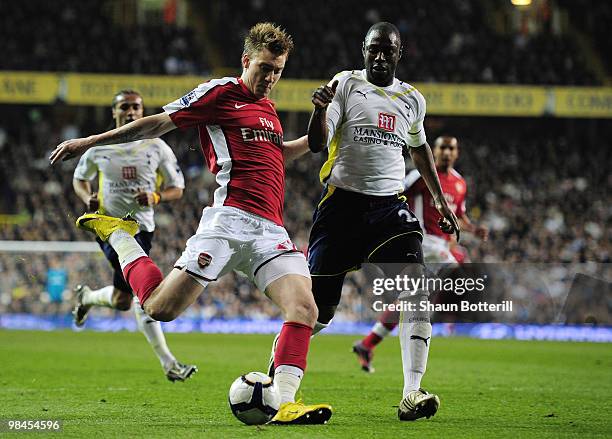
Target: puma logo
[416,337]
[362,93]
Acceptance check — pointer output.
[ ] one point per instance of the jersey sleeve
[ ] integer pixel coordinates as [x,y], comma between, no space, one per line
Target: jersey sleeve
[86,169]
[416,131]
[335,110]
[198,107]
[169,168]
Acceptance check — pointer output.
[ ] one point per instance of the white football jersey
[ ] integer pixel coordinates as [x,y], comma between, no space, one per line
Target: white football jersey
[125,168]
[368,128]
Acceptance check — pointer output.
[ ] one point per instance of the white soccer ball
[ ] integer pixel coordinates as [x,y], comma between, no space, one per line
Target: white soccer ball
[253,398]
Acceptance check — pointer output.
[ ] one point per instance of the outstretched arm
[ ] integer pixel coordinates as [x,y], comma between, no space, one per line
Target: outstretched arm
[424,162]
[292,149]
[317,126]
[146,128]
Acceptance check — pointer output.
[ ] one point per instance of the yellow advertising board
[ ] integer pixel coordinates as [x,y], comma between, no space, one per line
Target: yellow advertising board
[28,87]
[94,89]
[590,102]
[484,100]
[442,99]
[295,94]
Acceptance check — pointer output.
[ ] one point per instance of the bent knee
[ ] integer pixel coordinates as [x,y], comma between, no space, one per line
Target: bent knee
[161,313]
[304,311]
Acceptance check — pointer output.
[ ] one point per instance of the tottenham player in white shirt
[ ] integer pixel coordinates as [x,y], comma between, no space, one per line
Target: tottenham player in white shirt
[369,121]
[128,180]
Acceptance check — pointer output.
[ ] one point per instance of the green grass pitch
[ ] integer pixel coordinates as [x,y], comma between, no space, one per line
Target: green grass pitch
[111,385]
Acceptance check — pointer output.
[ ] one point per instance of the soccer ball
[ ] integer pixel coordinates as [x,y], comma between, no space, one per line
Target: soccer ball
[253,398]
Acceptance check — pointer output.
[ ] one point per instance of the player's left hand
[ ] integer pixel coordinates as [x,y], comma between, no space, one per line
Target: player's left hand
[323,95]
[70,149]
[448,223]
[146,199]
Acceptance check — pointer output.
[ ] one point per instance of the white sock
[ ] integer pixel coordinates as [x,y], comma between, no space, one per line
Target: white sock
[101,297]
[380,330]
[153,332]
[126,246]
[318,327]
[288,379]
[415,336]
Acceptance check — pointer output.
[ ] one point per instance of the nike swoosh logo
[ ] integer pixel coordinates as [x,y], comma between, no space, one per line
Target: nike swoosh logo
[238,107]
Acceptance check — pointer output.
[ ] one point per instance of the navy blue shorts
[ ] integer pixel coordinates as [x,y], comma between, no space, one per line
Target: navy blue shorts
[349,227]
[144,239]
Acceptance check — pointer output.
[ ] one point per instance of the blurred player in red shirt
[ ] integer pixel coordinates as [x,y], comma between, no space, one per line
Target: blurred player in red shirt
[242,141]
[438,247]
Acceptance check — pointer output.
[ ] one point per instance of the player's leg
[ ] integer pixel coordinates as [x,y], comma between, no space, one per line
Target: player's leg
[286,281]
[415,326]
[117,296]
[364,348]
[334,249]
[326,291]
[168,297]
[152,330]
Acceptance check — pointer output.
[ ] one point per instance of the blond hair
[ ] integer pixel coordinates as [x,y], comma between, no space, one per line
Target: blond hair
[267,36]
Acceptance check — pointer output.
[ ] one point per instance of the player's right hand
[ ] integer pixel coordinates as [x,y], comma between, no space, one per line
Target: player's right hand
[69,149]
[323,95]
[93,204]
[449,222]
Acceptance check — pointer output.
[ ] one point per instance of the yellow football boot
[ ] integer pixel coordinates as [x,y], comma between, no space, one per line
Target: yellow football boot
[103,225]
[299,413]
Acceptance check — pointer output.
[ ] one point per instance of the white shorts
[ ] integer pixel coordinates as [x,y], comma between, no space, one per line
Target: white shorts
[231,239]
[436,250]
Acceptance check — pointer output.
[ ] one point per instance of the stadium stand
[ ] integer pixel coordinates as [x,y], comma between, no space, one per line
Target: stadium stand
[64,41]
[533,193]
[545,197]
[444,41]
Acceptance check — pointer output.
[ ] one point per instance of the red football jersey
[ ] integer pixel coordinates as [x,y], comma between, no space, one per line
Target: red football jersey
[421,202]
[242,141]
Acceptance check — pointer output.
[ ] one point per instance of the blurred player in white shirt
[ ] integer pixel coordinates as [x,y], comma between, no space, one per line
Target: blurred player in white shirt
[130,178]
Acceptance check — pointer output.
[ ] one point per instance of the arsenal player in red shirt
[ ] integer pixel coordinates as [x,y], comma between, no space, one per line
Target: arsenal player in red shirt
[242,141]
[438,247]
[454,187]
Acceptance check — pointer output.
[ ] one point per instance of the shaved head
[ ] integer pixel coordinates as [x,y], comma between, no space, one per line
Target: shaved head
[385,28]
[382,50]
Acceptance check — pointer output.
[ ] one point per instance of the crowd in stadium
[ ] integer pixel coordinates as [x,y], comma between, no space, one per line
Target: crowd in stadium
[67,41]
[535,194]
[444,41]
[545,197]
